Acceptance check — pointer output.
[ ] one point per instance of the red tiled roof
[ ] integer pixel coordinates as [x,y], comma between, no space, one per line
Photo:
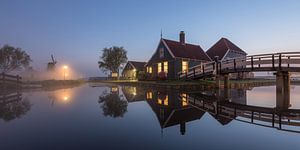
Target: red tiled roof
[221,48]
[186,50]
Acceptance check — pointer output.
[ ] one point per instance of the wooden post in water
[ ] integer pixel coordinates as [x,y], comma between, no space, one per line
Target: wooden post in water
[282,90]
[226,81]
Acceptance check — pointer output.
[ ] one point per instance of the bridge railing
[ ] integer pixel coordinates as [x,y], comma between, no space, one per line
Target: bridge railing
[6,79]
[273,61]
[261,62]
[197,70]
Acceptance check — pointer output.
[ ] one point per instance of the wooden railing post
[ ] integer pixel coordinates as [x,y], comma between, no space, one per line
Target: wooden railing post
[279,64]
[186,76]
[288,62]
[194,72]
[234,64]
[259,62]
[252,62]
[273,61]
[17,81]
[220,67]
[203,69]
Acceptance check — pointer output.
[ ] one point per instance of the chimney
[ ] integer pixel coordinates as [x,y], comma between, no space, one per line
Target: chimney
[182,37]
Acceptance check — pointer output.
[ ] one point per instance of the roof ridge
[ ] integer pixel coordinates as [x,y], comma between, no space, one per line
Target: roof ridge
[179,42]
[225,41]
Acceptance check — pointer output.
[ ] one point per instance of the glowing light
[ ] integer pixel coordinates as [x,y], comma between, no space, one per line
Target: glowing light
[66,67]
[65,98]
[134,70]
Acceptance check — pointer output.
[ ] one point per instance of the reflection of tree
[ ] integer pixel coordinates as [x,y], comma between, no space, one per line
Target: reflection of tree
[113,105]
[15,109]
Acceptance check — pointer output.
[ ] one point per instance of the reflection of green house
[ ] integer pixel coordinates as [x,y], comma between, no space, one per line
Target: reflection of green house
[132,69]
[171,110]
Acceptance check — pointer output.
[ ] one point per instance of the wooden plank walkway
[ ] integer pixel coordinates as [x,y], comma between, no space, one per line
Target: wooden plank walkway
[287,61]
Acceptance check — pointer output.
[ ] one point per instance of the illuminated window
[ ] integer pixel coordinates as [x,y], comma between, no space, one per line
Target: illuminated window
[184,99]
[114,74]
[166,100]
[149,69]
[134,91]
[166,67]
[185,66]
[149,95]
[114,89]
[161,52]
[159,101]
[159,69]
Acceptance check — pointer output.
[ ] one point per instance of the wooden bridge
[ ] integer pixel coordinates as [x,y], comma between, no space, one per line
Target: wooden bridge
[10,81]
[284,62]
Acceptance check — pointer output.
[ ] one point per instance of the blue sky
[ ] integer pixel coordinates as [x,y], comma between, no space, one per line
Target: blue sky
[76,31]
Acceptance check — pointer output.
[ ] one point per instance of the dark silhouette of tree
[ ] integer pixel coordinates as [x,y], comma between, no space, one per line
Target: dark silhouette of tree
[15,109]
[112,58]
[12,58]
[113,105]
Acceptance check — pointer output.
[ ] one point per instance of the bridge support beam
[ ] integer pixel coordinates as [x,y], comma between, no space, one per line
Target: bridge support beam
[226,81]
[282,90]
[218,81]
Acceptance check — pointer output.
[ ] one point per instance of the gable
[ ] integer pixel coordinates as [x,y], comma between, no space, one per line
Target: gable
[222,48]
[157,57]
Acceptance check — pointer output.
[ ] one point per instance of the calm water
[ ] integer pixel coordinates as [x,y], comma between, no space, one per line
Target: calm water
[115,117]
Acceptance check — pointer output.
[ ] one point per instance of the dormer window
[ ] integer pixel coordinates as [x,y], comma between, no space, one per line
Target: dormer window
[161,52]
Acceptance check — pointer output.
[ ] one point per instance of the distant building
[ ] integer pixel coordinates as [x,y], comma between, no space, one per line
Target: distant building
[132,69]
[171,57]
[225,49]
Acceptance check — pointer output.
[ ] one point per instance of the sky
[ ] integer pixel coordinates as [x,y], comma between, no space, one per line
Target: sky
[75,31]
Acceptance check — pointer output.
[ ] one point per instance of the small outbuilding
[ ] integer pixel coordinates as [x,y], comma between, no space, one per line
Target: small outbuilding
[132,69]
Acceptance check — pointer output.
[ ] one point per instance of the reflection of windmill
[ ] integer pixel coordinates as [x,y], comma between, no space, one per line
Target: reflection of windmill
[51,65]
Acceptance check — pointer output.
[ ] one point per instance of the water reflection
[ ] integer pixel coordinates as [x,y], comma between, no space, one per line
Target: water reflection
[13,106]
[62,96]
[112,103]
[177,108]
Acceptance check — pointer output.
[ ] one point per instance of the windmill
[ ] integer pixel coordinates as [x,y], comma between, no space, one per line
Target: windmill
[51,65]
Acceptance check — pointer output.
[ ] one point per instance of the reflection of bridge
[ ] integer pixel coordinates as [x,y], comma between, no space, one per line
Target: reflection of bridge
[173,108]
[223,108]
[12,105]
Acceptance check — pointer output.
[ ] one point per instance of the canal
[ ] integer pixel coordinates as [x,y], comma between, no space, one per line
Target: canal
[128,117]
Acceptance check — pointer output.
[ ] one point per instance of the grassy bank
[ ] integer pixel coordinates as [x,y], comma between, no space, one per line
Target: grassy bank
[53,84]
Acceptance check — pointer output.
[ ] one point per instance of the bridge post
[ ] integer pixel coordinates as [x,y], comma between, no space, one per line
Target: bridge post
[226,81]
[218,81]
[282,90]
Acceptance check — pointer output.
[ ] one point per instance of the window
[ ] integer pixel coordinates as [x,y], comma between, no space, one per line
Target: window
[185,66]
[149,69]
[114,74]
[166,67]
[184,99]
[159,69]
[149,95]
[163,101]
[161,52]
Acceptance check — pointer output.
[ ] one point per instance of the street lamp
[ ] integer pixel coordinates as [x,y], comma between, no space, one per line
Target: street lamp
[65,67]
